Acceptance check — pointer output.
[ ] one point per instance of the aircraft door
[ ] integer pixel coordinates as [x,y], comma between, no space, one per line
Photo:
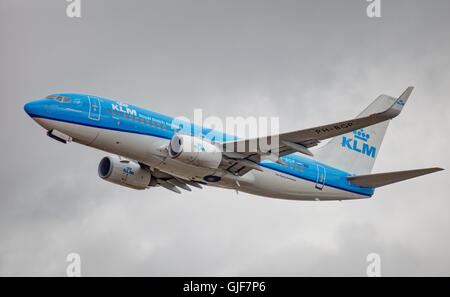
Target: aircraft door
[321,176]
[94,108]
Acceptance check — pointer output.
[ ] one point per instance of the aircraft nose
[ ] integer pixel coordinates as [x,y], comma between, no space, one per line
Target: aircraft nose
[34,107]
[28,107]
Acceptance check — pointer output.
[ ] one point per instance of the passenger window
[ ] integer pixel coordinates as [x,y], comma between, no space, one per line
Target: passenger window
[107,110]
[148,122]
[114,112]
[131,117]
[296,167]
[292,166]
[137,119]
[153,124]
[119,113]
[164,127]
[142,121]
[159,125]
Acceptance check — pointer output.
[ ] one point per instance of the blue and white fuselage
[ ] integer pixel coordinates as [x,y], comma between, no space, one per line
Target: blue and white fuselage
[143,135]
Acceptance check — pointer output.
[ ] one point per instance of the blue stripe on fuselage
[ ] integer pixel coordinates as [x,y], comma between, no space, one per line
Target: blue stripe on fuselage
[77,112]
[334,178]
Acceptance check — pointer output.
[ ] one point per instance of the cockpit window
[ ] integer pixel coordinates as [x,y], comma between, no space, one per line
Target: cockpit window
[59,98]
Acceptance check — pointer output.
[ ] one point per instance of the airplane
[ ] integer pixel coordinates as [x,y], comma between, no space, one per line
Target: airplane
[151,149]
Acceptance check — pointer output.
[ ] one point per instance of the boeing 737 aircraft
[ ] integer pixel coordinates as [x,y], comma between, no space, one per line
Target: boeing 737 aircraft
[150,149]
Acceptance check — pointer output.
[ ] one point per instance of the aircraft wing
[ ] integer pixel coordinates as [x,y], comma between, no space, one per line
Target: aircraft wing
[257,149]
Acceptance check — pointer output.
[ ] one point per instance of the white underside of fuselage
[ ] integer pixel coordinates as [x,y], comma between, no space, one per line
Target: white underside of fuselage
[148,150]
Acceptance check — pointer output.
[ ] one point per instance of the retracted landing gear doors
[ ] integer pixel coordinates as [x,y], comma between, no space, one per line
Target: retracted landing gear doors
[94,108]
[321,176]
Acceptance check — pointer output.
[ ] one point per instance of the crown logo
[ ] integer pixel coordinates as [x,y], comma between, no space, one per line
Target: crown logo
[360,134]
[401,102]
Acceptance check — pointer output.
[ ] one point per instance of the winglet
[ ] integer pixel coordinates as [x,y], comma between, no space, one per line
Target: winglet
[398,105]
[404,97]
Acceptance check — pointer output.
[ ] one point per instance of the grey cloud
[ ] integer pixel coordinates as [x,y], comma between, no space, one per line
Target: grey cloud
[308,62]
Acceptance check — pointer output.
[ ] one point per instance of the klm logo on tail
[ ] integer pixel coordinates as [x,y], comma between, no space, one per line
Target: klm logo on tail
[355,145]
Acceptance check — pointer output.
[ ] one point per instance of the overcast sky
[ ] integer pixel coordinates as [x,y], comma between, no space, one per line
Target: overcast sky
[307,62]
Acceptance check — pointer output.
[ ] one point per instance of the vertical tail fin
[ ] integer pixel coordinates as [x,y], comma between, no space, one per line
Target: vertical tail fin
[355,152]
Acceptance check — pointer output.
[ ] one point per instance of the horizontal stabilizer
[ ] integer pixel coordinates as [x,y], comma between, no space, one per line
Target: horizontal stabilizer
[381,179]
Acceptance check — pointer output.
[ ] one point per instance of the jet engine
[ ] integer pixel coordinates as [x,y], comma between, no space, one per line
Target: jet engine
[194,151]
[124,172]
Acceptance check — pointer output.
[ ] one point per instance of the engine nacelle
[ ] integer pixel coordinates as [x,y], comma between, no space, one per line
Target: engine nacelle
[124,172]
[194,151]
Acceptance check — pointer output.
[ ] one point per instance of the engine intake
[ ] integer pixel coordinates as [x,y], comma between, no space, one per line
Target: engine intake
[124,172]
[194,151]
